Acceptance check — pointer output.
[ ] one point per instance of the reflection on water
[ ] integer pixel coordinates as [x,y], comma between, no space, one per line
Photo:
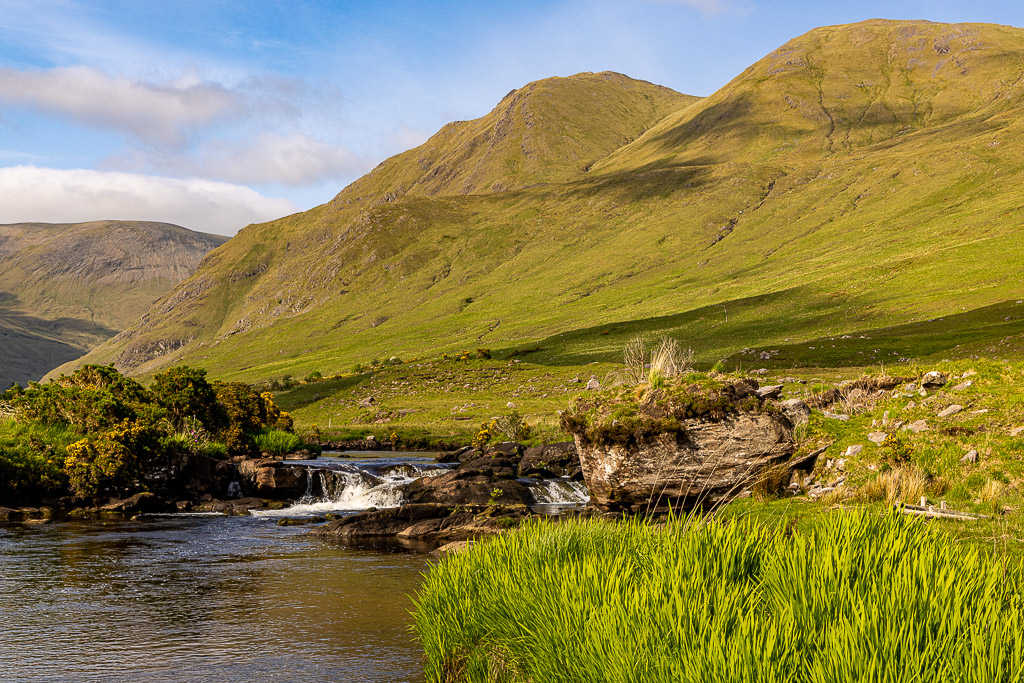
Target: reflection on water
[200,599]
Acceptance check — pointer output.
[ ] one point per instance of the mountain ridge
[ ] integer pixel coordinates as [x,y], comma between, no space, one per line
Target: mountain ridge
[845,173]
[65,288]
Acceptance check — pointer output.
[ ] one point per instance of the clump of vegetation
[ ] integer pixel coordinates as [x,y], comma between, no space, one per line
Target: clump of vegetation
[277,442]
[656,365]
[628,416]
[858,597]
[98,433]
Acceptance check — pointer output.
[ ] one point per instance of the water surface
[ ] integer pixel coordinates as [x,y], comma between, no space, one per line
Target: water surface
[201,599]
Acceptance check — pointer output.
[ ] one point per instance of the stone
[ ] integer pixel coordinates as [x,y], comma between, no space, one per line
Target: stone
[423,523]
[367,402]
[453,548]
[454,456]
[853,450]
[593,385]
[877,437]
[934,380]
[144,502]
[511,405]
[918,426]
[551,460]
[833,416]
[970,458]
[708,462]
[911,405]
[273,479]
[6,514]
[885,419]
[770,391]
[951,410]
[796,410]
[963,385]
[1016,431]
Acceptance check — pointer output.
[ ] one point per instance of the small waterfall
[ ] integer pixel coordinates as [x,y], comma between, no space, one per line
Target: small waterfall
[342,486]
[562,491]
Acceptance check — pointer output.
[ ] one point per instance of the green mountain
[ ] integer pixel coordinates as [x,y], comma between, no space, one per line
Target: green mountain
[65,289]
[860,179]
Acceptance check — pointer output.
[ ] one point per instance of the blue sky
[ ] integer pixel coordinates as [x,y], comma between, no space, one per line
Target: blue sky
[219,113]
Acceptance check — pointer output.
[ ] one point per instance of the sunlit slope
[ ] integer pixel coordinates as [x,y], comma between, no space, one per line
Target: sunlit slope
[859,177]
[66,288]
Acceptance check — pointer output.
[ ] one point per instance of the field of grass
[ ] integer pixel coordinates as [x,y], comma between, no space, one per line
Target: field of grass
[858,597]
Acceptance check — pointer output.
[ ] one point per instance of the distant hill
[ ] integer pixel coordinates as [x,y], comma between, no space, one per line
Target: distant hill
[66,288]
[860,177]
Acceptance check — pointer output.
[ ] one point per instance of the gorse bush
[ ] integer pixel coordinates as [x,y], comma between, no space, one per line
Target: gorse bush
[862,599]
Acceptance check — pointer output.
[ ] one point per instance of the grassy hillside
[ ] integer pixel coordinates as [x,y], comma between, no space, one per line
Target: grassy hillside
[64,289]
[860,178]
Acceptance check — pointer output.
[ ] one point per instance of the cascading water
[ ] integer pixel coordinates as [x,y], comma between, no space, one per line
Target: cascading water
[561,491]
[336,486]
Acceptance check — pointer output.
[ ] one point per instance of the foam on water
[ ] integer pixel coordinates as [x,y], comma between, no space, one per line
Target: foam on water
[347,487]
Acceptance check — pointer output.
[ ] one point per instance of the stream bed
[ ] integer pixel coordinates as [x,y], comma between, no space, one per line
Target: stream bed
[193,597]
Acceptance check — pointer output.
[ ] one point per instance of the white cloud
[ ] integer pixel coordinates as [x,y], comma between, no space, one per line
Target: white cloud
[269,158]
[48,195]
[154,112]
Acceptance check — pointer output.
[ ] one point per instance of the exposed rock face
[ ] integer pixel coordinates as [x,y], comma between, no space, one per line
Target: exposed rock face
[708,462]
[488,478]
[551,460]
[273,479]
[424,522]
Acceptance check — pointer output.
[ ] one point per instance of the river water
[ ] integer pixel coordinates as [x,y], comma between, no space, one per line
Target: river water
[212,598]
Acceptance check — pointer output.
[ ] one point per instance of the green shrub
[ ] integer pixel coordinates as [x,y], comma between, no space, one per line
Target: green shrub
[314,376]
[113,461]
[861,599]
[185,392]
[31,459]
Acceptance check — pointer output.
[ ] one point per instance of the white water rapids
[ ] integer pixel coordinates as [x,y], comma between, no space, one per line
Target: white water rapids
[355,484]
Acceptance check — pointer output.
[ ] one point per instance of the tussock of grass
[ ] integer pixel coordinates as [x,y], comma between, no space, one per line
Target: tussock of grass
[277,442]
[861,598]
[898,485]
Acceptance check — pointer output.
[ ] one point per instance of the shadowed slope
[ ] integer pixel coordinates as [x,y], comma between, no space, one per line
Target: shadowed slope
[65,288]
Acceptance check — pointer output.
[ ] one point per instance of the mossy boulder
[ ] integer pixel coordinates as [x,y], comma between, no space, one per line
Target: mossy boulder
[697,441]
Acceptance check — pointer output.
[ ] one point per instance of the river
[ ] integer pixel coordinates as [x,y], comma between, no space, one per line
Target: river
[210,598]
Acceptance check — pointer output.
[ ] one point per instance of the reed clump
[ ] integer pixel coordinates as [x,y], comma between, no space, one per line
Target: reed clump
[861,598]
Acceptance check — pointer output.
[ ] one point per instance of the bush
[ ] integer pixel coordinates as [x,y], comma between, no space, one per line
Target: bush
[112,462]
[314,376]
[92,399]
[185,392]
[31,459]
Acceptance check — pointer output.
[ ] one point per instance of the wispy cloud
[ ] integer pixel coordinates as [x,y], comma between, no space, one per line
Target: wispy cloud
[154,112]
[31,193]
[291,159]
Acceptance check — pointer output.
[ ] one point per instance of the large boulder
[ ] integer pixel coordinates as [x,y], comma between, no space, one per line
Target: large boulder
[551,460]
[144,503]
[688,445]
[273,479]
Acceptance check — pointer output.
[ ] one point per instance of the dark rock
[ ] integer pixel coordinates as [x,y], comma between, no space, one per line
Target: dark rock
[455,456]
[470,486]
[5,514]
[770,391]
[144,503]
[708,462]
[425,521]
[273,479]
[934,380]
[509,449]
[551,460]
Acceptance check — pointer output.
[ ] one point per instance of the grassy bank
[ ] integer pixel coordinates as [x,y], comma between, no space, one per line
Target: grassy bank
[859,597]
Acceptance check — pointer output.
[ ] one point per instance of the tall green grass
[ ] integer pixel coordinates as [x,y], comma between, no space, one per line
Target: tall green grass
[859,599]
[277,442]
